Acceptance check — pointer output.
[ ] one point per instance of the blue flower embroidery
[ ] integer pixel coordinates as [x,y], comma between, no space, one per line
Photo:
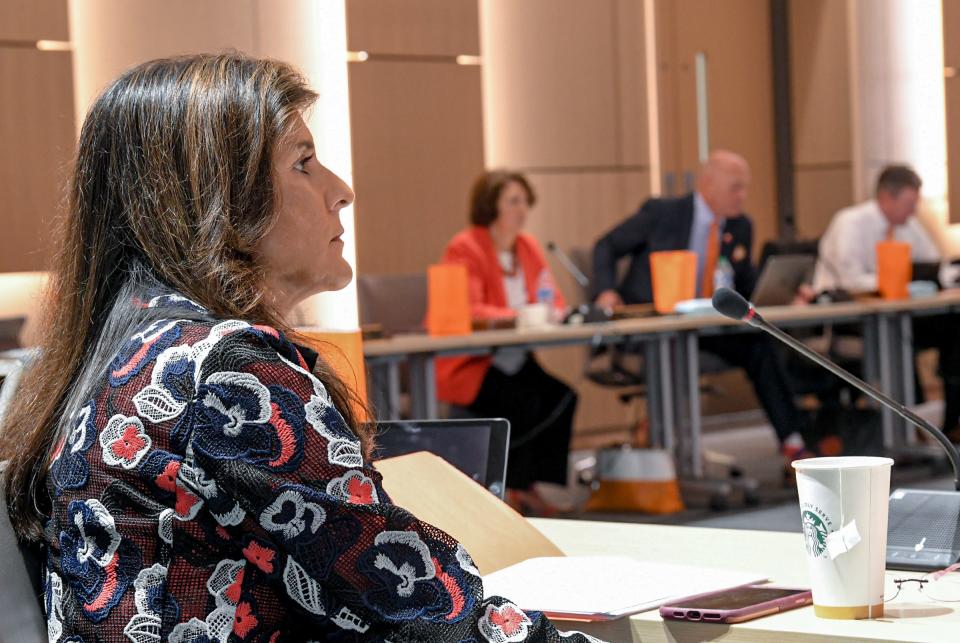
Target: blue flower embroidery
[403,577]
[141,349]
[96,561]
[70,469]
[237,417]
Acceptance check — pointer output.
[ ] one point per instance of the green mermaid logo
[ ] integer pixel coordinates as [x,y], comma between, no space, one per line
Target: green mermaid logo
[814,534]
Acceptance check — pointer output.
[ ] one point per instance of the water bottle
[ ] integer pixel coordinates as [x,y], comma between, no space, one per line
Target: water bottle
[545,288]
[723,275]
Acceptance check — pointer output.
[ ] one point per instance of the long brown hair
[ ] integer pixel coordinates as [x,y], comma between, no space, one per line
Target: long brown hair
[172,185]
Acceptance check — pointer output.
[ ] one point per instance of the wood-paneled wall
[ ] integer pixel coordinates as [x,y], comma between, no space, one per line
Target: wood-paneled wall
[565,102]
[820,105]
[734,37]
[417,144]
[36,129]
[951,61]
[417,128]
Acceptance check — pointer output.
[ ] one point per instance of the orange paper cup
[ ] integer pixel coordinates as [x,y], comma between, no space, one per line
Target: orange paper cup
[674,277]
[448,300]
[894,270]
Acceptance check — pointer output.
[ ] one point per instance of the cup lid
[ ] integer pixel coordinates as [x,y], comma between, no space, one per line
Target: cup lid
[841,462]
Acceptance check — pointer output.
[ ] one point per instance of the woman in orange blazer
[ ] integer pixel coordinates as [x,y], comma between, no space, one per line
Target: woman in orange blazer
[507,270]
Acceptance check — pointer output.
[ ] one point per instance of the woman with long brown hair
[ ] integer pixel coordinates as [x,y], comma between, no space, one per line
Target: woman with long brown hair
[192,473]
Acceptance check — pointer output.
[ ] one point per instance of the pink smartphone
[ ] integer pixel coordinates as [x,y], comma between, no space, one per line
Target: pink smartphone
[736,604]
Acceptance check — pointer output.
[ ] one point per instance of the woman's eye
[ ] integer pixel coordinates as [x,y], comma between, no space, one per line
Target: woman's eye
[300,165]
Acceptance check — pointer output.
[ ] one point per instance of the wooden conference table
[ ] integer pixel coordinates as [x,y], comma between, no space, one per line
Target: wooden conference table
[671,360]
[777,555]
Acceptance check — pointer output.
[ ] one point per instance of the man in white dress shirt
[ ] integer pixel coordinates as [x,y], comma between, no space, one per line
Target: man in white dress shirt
[848,261]
[848,256]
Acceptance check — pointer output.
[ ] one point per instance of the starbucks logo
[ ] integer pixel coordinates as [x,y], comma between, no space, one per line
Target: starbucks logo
[814,534]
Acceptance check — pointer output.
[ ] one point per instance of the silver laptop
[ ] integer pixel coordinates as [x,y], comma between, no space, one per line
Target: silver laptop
[781,276]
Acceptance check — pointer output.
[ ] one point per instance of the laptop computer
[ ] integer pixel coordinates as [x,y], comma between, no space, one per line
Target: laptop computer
[781,276]
[923,529]
[477,447]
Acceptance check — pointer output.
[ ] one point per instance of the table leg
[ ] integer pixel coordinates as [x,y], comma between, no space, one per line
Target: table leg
[667,393]
[885,361]
[687,405]
[652,367]
[384,387]
[423,388]
[907,370]
[693,402]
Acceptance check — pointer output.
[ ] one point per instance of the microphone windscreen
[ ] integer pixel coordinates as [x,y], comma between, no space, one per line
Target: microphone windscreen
[730,303]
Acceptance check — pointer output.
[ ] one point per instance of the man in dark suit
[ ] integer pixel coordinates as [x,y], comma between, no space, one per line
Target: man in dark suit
[711,223]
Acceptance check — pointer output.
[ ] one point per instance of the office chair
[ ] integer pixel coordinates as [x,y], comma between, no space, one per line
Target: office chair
[624,365]
[21,596]
[378,297]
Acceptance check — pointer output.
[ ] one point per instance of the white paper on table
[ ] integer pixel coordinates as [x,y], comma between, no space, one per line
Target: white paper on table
[605,586]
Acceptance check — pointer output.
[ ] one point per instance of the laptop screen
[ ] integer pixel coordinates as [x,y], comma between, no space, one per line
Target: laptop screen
[478,448]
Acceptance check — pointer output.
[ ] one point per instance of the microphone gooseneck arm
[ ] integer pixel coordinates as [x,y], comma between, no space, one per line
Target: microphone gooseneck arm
[753,318]
[568,264]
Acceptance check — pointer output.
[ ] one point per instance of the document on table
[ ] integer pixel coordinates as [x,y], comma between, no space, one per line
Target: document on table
[604,587]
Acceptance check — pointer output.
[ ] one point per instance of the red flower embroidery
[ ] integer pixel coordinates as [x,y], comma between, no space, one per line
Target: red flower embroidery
[167,480]
[57,450]
[233,592]
[453,588]
[244,620]
[507,619]
[128,444]
[361,491]
[260,556]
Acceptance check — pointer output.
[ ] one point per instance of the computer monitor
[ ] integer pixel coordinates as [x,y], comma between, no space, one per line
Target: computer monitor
[477,447]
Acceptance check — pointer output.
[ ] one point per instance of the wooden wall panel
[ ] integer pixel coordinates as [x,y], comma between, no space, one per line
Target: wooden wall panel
[820,81]
[631,61]
[37,131]
[735,36]
[821,111]
[551,83]
[819,194]
[951,60]
[31,20]
[413,27]
[417,147]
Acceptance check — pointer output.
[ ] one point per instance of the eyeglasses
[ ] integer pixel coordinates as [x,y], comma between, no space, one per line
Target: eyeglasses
[942,586]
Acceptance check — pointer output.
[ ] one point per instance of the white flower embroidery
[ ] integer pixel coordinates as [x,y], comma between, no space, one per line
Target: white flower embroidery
[406,572]
[466,562]
[79,434]
[90,545]
[124,441]
[298,522]
[302,588]
[355,488]
[237,415]
[504,624]
[144,626]
[55,616]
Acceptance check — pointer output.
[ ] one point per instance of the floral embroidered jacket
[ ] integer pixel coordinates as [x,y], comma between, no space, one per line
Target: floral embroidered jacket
[209,491]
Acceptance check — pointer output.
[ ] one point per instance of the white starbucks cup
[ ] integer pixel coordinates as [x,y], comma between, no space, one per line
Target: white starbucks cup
[843,508]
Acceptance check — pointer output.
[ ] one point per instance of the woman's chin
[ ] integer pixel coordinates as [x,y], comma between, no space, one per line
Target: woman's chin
[340,279]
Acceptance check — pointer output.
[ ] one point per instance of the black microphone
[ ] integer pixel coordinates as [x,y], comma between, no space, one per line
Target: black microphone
[568,264]
[731,304]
